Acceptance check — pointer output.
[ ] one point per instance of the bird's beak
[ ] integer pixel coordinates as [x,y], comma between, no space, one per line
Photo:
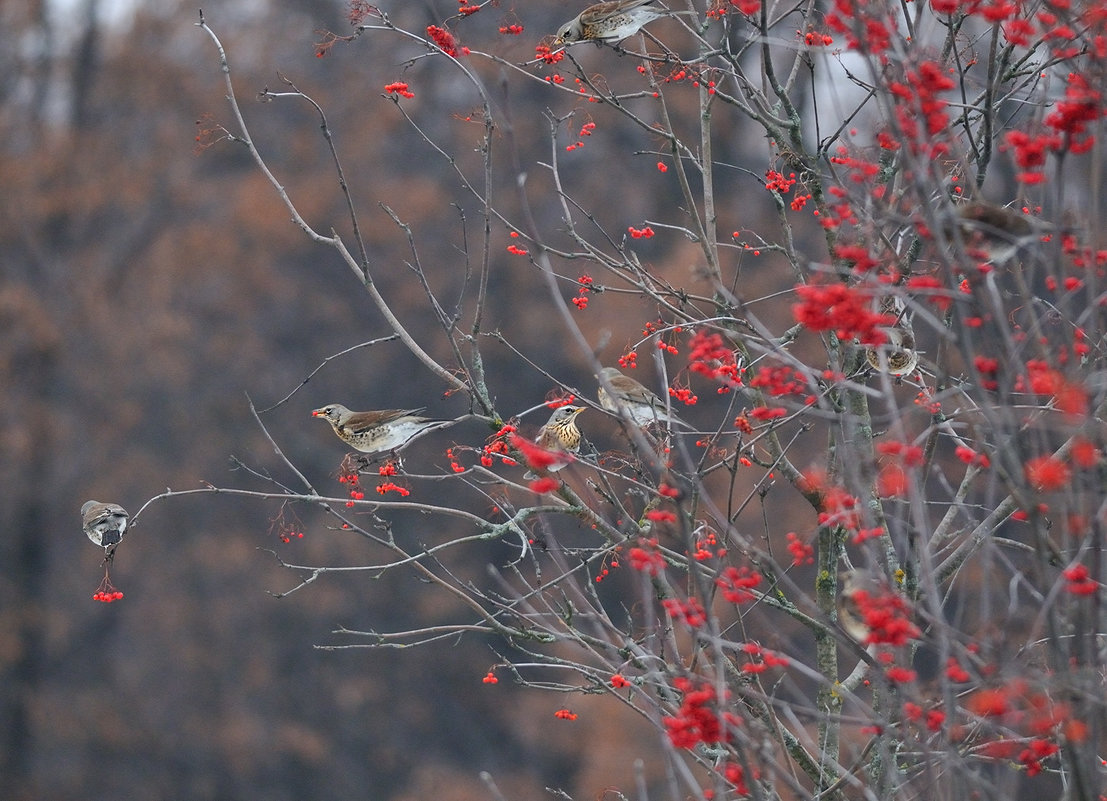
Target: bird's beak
[316,412]
[578,411]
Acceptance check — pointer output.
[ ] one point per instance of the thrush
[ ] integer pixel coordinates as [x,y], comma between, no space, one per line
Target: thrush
[996,234]
[642,406]
[104,524]
[852,613]
[611,22]
[560,433]
[897,355]
[377,432]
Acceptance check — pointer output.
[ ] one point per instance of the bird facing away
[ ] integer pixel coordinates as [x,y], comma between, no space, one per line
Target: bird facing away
[375,432]
[642,406]
[104,524]
[611,22]
[996,233]
[851,615]
[560,433]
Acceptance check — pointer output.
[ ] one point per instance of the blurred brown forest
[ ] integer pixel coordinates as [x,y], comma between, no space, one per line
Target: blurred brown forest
[147,286]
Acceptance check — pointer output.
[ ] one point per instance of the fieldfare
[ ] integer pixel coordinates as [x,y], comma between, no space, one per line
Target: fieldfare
[104,524]
[610,23]
[641,405]
[560,434]
[994,233]
[376,432]
[897,355]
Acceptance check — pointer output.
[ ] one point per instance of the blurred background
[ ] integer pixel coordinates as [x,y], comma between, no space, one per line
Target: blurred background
[150,280]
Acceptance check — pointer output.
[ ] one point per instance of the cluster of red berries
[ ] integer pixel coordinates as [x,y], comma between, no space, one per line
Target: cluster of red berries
[581,300]
[737,584]
[106,593]
[351,481]
[801,551]
[776,182]
[816,39]
[689,611]
[605,571]
[697,721]
[498,447]
[761,659]
[400,88]
[647,558]
[547,56]
[445,40]
[586,130]
[707,547]
[684,394]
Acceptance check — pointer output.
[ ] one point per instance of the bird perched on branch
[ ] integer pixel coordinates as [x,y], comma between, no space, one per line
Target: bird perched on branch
[897,355]
[850,616]
[642,406]
[560,433]
[996,233]
[104,524]
[611,22]
[380,431]
[872,611]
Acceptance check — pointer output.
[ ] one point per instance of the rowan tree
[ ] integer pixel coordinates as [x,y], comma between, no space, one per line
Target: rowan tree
[864,557]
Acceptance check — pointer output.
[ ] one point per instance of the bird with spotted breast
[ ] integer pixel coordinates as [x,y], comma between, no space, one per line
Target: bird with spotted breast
[104,524]
[387,430]
[611,22]
[897,354]
[560,433]
[642,406]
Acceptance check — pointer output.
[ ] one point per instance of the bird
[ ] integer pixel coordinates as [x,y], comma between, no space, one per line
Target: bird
[611,22]
[995,233]
[858,589]
[104,524]
[900,357]
[560,433]
[642,406]
[380,431]
[850,616]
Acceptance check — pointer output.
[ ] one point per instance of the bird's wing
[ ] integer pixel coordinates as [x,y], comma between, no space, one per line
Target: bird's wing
[546,439]
[361,421]
[103,513]
[603,11]
[643,395]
